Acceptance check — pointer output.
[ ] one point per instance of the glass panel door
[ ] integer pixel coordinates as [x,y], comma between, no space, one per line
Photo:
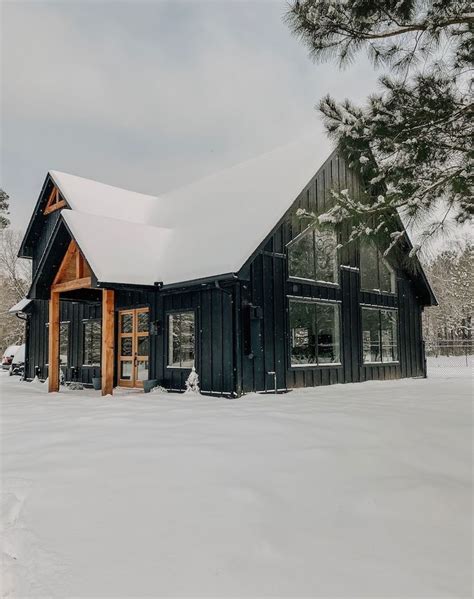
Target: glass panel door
[141,346]
[133,347]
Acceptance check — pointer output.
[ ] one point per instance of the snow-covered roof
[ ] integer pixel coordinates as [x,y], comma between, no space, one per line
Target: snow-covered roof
[119,251]
[103,200]
[208,228]
[20,306]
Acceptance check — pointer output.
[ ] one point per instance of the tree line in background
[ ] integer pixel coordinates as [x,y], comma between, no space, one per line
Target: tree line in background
[15,277]
[448,327]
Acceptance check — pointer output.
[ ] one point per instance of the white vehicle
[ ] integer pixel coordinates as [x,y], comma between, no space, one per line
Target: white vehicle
[18,362]
[8,356]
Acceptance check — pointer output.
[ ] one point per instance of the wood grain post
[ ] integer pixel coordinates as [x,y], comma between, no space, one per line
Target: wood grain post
[107,365]
[53,343]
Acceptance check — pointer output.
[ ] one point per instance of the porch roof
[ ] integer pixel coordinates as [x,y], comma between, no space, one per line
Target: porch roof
[20,306]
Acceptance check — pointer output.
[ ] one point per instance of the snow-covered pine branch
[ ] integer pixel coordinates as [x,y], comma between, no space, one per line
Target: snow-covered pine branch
[411,143]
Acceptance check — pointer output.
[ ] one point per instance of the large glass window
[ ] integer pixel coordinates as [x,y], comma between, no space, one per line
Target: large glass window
[92,336]
[375,273]
[315,334]
[181,340]
[313,255]
[379,335]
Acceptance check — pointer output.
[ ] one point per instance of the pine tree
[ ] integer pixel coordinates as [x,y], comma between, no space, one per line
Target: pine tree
[412,142]
[4,197]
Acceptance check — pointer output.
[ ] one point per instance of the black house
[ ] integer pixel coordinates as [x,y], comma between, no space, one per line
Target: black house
[221,274]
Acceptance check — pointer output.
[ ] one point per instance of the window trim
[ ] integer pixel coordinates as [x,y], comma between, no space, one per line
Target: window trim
[84,322]
[380,258]
[380,309]
[310,300]
[306,280]
[172,312]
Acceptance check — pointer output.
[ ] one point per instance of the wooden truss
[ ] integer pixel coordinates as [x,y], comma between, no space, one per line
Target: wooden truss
[55,201]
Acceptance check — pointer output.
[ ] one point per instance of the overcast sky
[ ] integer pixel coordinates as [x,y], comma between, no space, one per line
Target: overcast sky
[151,95]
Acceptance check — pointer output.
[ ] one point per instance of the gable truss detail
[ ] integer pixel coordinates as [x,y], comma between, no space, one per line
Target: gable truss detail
[73,272]
[55,201]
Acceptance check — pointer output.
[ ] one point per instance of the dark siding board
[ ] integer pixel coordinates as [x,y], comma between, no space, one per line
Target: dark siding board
[48,224]
[257,325]
[216,342]
[227,340]
[280,321]
[355,329]
[269,320]
[206,333]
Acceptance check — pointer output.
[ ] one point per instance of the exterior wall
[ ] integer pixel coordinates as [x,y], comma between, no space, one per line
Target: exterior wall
[213,309]
[269,288]
[37,339]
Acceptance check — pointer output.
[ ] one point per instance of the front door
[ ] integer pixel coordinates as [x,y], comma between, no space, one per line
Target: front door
[133,347]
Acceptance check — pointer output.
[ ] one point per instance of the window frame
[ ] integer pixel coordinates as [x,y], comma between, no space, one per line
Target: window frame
[324,302]
[315,281]
[380,309]
[380,259]
[168,346]
[61,322]
[85,321]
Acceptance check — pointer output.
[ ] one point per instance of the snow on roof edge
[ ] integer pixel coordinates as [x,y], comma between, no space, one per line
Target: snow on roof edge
[19,306]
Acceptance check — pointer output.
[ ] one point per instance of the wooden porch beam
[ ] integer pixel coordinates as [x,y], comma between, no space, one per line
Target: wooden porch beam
[84,283]
[55,206]
[107,362]
[53,343]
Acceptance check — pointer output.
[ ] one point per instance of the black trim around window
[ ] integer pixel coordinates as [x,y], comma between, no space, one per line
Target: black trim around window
[368,344]
[320,344]
[90,349]
[313,261]
[380,262]
[186,356]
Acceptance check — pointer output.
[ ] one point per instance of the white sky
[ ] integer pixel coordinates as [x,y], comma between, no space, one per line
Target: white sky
[151,95]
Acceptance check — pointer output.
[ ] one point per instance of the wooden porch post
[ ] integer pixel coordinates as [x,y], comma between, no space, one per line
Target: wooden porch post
[107,366]
[53,343]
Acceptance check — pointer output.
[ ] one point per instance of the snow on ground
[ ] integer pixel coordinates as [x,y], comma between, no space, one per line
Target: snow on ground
[349,491]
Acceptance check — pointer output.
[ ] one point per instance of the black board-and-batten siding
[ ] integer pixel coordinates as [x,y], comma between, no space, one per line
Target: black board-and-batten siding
[241,326]
[270,287]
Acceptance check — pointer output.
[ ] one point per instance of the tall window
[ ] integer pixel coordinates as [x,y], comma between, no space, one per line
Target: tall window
[181,340]
[313,255]
[92,340]
[375,273]
[379,335]
[315,333]
[63,343]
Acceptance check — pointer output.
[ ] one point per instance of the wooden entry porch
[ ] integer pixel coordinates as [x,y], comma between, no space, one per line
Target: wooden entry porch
[74,273]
